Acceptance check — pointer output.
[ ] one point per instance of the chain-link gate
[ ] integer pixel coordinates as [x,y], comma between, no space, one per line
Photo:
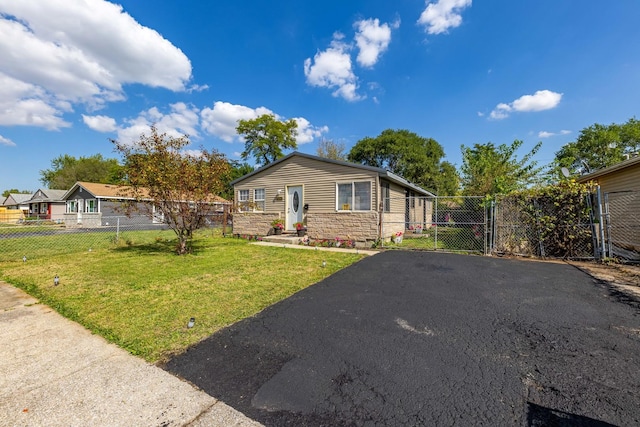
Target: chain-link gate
[450,224]
[622,224]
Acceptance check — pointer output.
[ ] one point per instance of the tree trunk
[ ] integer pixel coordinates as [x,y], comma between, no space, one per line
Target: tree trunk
[182,247]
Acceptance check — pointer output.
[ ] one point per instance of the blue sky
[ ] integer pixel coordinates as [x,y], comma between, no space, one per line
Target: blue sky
[74,74]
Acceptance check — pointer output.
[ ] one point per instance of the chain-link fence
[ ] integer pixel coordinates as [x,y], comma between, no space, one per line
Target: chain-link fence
[622,224]
[541,227]
[26,239]
[452,224]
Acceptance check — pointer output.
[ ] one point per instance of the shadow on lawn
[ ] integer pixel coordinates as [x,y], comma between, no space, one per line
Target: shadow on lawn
[164,246]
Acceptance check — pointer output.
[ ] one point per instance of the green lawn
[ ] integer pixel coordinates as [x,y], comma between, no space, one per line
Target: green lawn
[140,295]
[463,239]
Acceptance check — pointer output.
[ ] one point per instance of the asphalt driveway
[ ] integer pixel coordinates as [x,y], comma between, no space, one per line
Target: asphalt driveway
[413,338]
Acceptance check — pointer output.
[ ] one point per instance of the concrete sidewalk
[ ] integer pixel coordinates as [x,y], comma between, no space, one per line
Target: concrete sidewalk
[53,372]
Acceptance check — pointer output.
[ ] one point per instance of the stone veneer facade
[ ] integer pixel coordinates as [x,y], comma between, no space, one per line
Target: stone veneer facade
[358,226]
[85,219]
[250,223]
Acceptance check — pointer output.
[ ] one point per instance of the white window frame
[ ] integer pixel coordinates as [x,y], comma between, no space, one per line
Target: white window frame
[257,203]
[352,205]
[88,208]
[243,203]
[72,206]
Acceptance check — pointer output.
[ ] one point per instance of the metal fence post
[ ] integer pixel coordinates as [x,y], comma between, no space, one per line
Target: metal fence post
[435,225]
[601,224]
[117,229]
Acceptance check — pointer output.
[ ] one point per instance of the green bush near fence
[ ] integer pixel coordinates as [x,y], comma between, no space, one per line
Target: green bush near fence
[138,294]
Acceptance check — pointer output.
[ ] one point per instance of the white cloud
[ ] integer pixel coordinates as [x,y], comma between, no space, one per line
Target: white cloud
[100,123]
[25,104]
[65,53]
[372,39]
[539,101]
[192,153]
[545,134]
[197,88]
[438,17]
[307,132]
[222,119]
[500,112]
[183,119]
[6,141]
[332,69]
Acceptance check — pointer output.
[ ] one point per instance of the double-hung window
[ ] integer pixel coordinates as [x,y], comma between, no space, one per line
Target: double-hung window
[243,200]
[91,206]
[258,199]
[72,206]
[354,196]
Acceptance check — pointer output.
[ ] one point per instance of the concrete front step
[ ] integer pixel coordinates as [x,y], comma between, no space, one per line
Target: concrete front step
[285,238]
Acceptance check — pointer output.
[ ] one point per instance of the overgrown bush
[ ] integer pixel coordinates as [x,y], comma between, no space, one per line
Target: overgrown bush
[557,220]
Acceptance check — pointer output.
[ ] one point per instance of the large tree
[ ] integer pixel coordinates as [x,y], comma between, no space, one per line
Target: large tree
[66,170]
[599,146]
[266,137]
[180,185]
[488,169]
[331,150]
[409,155]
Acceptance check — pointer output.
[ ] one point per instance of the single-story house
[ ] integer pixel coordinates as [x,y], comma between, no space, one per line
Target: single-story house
[15,208]
[332,198]
[91,204]
[17,201]
[620,189]
[47,204]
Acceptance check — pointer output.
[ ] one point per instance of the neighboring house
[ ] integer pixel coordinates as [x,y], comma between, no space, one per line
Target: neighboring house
[620,189]
[90,204]
[17,201]
[332,198]
[15,207]
[47,204]
[624,176]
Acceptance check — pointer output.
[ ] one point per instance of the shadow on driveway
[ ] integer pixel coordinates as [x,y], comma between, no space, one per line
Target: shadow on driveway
[414,338]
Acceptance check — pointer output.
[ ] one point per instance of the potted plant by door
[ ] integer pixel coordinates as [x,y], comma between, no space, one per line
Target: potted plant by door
[278,226]
[300,228]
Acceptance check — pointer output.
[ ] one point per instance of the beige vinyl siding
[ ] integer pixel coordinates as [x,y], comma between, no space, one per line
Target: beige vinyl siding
[623,180]
[624,206]
[398,195]
[317,178]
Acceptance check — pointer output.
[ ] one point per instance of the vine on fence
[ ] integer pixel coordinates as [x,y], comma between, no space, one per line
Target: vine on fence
[560,216]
